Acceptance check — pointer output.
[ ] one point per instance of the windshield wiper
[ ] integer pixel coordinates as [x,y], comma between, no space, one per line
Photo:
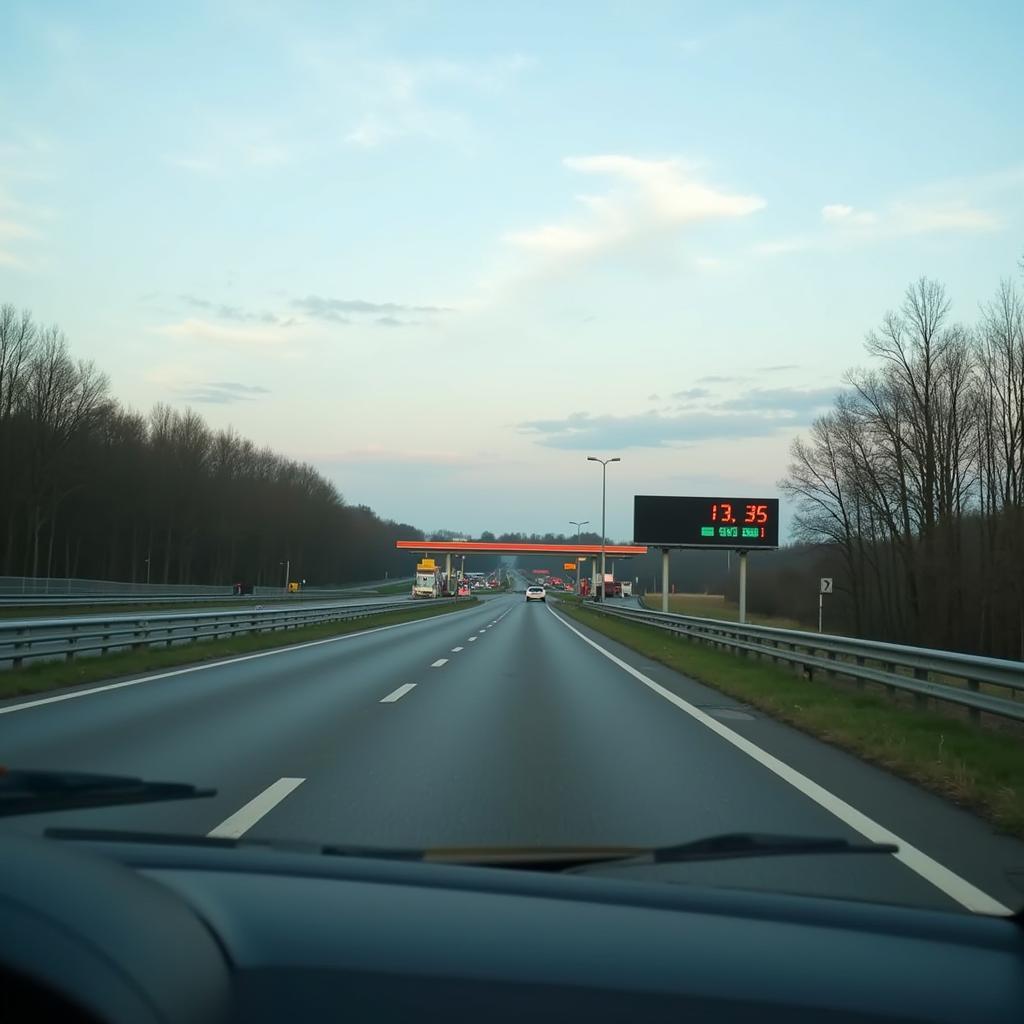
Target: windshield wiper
[730,846]
[528,858]
[31,792]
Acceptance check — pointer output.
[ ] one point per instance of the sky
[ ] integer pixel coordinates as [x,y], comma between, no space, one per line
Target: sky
[446,251]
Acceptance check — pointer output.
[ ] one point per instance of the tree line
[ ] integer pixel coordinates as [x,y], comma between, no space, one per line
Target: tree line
[912,485]
[92,489]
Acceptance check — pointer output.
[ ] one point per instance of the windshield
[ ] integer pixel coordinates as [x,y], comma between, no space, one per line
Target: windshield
[297,300]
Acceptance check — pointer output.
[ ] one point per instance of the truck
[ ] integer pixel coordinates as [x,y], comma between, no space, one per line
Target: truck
[429,580]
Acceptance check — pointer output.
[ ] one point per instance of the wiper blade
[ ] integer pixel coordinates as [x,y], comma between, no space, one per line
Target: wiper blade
[730,846]
[736,845]
[31,792]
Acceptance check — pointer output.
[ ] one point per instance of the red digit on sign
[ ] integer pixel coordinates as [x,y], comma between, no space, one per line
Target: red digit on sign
[714,513]
[762,513]
[751,513]
[727,516]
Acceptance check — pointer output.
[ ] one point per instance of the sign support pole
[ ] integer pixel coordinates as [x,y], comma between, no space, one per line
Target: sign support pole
[821,601]
[743,586]
[664,579]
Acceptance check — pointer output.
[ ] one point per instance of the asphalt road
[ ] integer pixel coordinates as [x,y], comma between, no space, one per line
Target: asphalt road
[501,725]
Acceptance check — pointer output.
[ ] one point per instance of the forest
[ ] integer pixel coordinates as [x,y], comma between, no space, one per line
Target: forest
[94,490]
[912,486]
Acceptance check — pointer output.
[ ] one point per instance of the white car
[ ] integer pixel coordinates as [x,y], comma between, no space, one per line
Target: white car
[534,593]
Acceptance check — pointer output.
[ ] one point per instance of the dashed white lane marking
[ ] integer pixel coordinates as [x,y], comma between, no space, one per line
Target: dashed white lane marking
[945,880]
[439,663]
[455,650]
[205,667]
[397,694]
[245,817]
[471,639]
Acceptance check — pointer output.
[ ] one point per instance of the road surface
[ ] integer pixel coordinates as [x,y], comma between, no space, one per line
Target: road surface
[504,724]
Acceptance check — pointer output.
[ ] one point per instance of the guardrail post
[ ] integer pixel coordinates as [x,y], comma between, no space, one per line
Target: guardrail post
[16,660]
[859,659]
[70,654]
[141,631]
[920,699]
[888,666]
[975,713]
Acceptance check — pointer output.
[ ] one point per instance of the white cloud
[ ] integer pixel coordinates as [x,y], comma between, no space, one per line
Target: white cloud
[929,211]
[220,334]
[379,100]
[10,229]
[840,213]
[950,216]
[646,196]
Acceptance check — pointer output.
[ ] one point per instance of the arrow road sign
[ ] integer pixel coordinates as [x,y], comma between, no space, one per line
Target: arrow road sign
[826,585]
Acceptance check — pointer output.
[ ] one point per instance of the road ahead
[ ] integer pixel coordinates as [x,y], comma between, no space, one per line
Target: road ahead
[500,725]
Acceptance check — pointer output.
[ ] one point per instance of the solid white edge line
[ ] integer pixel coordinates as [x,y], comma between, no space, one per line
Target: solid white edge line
[945,880]
[200,668]
[439,663]
[246,816]
[397,694]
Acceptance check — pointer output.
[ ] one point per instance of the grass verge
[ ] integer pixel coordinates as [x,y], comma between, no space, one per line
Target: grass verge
[50,675]
[967,764]
[715,606]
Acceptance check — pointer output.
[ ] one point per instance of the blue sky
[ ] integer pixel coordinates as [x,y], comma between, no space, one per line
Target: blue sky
[446,251]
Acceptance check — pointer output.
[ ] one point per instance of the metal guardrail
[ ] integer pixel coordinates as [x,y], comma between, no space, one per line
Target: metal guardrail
[895,666]
[25,592]
[69,637]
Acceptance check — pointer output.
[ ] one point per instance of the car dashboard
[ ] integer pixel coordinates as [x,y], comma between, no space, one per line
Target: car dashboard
[165,932]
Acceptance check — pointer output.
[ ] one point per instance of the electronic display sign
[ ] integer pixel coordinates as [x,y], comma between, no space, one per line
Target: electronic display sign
[714,522]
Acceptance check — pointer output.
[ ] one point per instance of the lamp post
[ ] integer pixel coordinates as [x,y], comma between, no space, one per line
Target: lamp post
[579,526]
[604,474]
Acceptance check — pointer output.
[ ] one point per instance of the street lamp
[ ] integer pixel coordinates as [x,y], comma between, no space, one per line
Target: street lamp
[579,526]
[604,474]
[287,572]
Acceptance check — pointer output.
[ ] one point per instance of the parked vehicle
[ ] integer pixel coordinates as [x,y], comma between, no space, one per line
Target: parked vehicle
[429,580]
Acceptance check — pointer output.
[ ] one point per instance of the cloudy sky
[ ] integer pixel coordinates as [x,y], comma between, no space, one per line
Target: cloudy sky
[446,251]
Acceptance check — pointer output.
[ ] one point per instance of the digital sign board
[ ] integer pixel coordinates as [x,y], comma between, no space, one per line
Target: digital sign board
[714,522]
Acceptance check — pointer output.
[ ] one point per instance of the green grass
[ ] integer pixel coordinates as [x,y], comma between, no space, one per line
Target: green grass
[966,763]
[715,606]
[49,675]
[399,587]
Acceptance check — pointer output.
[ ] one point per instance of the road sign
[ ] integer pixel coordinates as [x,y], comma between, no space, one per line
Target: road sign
[826,585]
[713,522]
[568,565]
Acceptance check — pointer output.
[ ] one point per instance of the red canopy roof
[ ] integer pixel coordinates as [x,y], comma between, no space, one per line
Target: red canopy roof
[466,547]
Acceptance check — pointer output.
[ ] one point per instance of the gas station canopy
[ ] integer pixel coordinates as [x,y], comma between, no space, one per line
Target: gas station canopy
[474,547]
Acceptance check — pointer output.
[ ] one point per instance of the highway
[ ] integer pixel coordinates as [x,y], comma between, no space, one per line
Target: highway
[504,724]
